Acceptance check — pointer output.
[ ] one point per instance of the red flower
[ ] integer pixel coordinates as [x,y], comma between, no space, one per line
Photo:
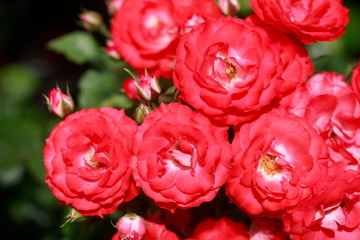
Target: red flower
[181,158]
[267,229]
[154,231]
[232,78]
[309,21]
[87,160]
[276,164]
[333,212]
[333,109]
[355,80]
[146,32]
[224,228]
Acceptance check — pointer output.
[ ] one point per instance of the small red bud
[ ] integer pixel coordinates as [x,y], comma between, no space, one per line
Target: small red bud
[131,227]
[59,104]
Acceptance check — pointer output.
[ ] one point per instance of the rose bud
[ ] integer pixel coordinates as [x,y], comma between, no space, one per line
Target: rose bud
[131,227]
[152,231]
[229,7]
[59,104]
[111,50]
[91,20]
[114,5]
[140,113]
[73,216]
[148,88]
[130,90]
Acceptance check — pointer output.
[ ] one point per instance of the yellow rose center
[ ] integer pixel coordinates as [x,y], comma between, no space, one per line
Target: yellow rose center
[269,166]
[231,70]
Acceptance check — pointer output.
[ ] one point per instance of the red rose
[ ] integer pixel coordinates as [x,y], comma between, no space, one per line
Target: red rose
[224,228]
[181,159]
[276,163]
[232,78]
[333,109]
[267,229]
[309,21]
[146,32]
[333,212]
[355,80]
[87,160]
[156,231]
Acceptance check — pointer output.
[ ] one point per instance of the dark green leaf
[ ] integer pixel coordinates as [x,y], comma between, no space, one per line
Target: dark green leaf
[78,47]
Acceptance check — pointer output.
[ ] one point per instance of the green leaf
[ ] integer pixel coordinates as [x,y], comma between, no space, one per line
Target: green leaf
[96,86]
[18,82]
[117,100]
[78,46]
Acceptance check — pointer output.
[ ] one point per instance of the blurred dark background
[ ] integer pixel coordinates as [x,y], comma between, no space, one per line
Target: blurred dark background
[29,69]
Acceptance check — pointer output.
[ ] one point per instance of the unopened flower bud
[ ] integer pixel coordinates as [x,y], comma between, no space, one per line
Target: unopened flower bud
[148,88]
[131,227]
[140,113]
[130,89]
[229,7]
[73,216]
[111,50]
[59,104]
[91,20]
[114,5]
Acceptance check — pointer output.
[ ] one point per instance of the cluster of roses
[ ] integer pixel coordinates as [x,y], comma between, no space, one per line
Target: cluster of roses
[285,145]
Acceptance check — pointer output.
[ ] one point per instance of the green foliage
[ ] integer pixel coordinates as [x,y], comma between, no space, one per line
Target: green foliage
[18,82]
[100,89]
[79,46]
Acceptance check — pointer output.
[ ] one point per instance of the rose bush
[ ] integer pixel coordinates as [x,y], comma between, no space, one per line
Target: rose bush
[277,161]
[87,160]
[146,32]
[309,21]
[231,78]
[181,159]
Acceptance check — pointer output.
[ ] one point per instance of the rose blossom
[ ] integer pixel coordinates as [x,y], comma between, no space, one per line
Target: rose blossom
[333,109]
[309,21]
[87,160]
[355,80]
[232,78]
[146,32]
[181,159]
[333,212]
[224,228]
[276,163]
